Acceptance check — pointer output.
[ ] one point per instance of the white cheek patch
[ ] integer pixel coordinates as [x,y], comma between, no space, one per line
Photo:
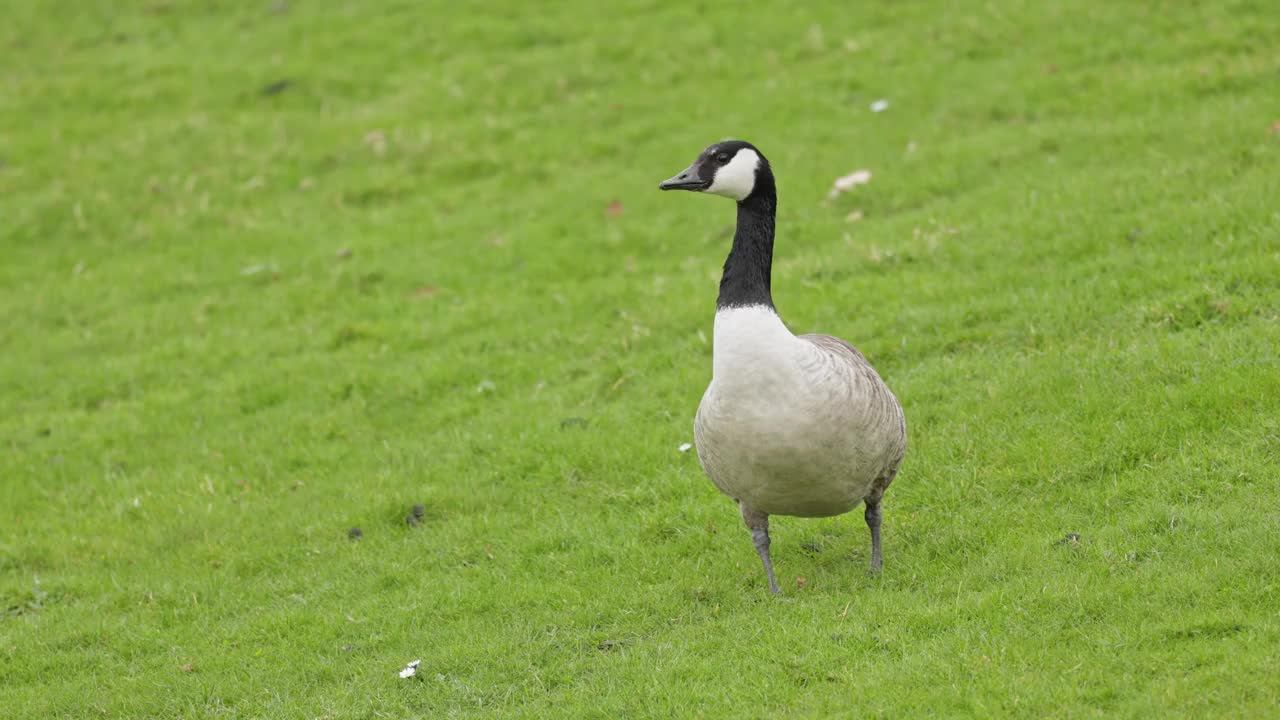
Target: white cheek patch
[737,179]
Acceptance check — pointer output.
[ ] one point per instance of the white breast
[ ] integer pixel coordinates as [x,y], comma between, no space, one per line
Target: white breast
[754,349]
[780,427]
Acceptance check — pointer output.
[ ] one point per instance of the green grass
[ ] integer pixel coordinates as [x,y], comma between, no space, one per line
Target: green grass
[272,271]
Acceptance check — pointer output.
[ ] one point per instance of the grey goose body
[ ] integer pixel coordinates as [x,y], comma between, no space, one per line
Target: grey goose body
[798,425]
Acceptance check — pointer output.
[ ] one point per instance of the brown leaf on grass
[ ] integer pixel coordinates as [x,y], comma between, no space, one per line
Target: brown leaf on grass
[801,582]
[343,253]
[613,209]
[189,667]
[1275,128]
[426,291]
[377,141]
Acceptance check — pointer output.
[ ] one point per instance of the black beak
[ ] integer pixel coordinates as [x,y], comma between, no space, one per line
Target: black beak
[688,179]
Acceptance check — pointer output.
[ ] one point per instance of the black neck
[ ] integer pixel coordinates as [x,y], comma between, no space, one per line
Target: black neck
[747,270]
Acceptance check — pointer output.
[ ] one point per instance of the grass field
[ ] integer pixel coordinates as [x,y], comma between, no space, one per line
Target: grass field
[271,271]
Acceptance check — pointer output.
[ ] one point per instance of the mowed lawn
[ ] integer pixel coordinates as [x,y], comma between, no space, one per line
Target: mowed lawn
[270,271]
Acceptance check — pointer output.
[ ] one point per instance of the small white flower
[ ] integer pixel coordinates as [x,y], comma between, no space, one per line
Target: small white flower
[685,447]
[408,672]
[880,105]
[414,664]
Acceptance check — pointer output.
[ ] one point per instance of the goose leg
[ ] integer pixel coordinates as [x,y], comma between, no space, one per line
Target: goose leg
[873,523]
[758,523]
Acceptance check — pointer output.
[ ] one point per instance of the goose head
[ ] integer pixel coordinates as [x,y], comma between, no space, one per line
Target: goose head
[732,169]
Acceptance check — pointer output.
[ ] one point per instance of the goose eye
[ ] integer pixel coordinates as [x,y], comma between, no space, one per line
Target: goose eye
[722,158]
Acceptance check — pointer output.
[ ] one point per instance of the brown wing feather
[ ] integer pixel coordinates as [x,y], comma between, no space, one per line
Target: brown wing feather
[830,342]
[880,399]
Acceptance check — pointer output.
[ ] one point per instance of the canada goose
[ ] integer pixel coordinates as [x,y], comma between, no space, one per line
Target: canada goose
[790,425]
